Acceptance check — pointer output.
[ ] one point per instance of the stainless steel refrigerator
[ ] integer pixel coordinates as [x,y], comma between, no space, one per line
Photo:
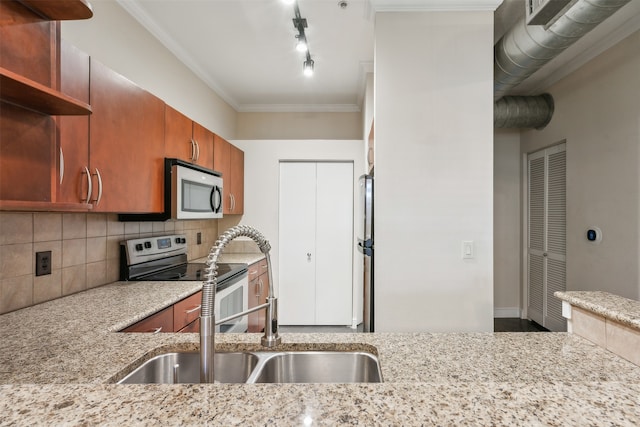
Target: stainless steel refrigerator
[366,247]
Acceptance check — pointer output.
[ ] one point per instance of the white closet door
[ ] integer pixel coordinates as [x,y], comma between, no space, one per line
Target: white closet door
[297,219]
[316,243]
[334,243]
[546,248]
[556,236]
[535,249]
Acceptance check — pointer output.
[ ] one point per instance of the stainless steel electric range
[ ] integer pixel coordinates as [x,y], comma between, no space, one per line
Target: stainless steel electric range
[164,258]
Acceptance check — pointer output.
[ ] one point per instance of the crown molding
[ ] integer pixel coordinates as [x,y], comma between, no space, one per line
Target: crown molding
[299,108]
[434,5]
[135,10]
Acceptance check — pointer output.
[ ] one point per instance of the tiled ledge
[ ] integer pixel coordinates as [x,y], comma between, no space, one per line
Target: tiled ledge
[608,320]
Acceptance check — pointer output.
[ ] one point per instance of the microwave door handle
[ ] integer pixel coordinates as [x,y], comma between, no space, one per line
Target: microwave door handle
[216,206]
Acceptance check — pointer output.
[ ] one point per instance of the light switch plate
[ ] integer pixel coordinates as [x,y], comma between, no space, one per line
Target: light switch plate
[467,249]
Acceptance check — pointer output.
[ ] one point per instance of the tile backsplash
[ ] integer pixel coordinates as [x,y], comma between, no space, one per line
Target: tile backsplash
[84,247]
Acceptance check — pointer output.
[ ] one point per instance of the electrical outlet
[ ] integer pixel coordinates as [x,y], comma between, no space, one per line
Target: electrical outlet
[43,263]
[199,238]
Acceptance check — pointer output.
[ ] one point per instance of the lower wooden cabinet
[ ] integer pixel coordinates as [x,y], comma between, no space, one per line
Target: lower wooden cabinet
[258,291]
[186,312]
[183,316]
[161,321]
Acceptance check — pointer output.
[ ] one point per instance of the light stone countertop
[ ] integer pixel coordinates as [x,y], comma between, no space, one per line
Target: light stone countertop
[610,306]
[58,362]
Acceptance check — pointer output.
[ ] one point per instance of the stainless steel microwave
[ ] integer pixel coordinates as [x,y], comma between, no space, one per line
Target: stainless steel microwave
[190,192]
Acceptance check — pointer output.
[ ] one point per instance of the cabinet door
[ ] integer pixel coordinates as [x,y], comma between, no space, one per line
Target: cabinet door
[178,135]
[222,164]
[236,161]
[126,144]
[204,143]
[73,131]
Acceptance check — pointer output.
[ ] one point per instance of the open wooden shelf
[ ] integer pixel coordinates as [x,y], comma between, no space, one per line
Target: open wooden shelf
[26,93]
[60,10]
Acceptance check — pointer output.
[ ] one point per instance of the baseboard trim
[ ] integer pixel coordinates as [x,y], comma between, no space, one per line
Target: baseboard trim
[504,312]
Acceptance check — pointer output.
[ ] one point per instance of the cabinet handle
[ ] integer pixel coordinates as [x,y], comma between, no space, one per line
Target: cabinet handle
[97,199]
[197,151]
[157,330]
[308,256]
[61,165]
[233,202]
[261,286]
[89,185]
[193,309]
[193,150]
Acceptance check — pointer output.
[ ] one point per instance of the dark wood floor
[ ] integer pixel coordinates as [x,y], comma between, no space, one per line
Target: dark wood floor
[516,325]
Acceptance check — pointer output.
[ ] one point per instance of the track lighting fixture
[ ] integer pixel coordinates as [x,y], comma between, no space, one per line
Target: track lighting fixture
[307,67]
[300,24]
[301,46]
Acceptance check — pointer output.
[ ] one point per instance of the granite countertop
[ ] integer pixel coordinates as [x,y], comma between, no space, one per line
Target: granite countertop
[614,307]
[59,360]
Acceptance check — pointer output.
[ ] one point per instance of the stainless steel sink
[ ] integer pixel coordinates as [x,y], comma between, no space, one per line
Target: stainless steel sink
[319,367]
[184,368]
[261,367]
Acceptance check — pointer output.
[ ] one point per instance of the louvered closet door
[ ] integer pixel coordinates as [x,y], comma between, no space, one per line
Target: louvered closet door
[546,254]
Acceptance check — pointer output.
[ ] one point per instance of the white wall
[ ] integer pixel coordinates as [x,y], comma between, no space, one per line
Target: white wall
[434,170]
[299,126]
[597,111]
[507,246]
[117,40]
[262,165]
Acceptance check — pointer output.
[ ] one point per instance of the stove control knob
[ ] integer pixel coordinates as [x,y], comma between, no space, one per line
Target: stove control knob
[183,240]
[178,240]
[147,245]
[139,247]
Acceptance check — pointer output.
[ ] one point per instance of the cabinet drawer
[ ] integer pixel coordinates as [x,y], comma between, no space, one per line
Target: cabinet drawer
[186,311]
[192,327]
[162,321]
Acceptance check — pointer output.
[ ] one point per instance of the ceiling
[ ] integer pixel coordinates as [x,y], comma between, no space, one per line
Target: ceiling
[245,49]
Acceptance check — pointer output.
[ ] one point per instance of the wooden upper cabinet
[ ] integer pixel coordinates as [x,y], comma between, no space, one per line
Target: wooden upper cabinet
[30,93]
[236,160]
[126,144]
[229,160]
[187,140]
[203,138]
[178,134]
[73,131]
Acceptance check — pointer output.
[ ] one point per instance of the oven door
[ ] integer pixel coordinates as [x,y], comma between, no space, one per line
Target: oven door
[231,300]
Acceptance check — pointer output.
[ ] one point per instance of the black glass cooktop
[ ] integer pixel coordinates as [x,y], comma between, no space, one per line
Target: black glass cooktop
[195,272]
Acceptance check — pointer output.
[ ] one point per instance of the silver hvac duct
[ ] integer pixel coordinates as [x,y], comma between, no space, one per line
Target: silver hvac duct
[524,49]
[523,111]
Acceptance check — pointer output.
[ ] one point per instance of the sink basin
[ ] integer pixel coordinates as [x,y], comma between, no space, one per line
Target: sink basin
[228,368]
[261,367]
[319,367]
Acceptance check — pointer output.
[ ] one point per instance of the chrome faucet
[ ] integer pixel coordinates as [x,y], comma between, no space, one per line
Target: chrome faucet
[207,315]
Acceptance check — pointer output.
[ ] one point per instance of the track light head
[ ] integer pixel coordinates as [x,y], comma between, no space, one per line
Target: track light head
[307,67]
